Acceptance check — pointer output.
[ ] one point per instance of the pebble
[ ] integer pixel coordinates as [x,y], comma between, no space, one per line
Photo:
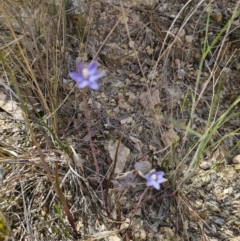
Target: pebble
[217,16]
[182,34]
[189,38]
[218,190]
[206,180]
[237,167]
[131,98]
[213,206]
[127,120]
[139,234]
[218,221]
[149,50]
[205,165]
[114,238]
[210,229]
[236,159]
[131,44]
[104,97]
[228,190]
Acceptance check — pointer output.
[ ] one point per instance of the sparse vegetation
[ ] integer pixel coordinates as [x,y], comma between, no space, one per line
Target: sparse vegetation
[75,164]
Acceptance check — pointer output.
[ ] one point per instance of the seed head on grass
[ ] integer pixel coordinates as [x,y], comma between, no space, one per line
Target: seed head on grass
[155,178]
[87,75]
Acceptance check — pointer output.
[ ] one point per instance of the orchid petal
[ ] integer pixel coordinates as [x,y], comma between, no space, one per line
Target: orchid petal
[79,66]
[76,76]
[93,85]
[92,68]
[96,76]
[82,84]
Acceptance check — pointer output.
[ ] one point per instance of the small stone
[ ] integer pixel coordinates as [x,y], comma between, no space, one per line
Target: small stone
[123,154]
[131,98]
[127,120]
[124,105]
[225,214]
[147,3]
[152,75]
[236,167]
[181,73]
[205,165]
[149,100]
[218,190]
[236,159]
[104,97]
[189,38]
[139,234]
[170,137]
[114,238]
[127,81]
[213,206]
[237,66]
[210,229]
[125,224]
[113,102]
[108,111]
[116,110]
[149,50]
[152,148]
[182,34]
[119,84]
[229,172]
[228,190]
[219,221]
[217,16]
[199,203]
[236,22]
[197,56]
[143,167]
[137,143]
[131,44]
[206,180]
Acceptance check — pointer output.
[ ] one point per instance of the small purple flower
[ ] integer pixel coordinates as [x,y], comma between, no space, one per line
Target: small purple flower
[155,178]
[86,75]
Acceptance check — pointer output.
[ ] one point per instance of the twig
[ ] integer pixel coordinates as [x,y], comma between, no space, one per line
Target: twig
[112,172]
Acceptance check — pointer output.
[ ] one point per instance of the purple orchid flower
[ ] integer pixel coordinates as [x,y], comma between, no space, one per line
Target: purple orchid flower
[86,75]
[155,178]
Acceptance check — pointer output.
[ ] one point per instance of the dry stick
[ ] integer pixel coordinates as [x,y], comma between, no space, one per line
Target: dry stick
[64,201]
[84,91]
[140,202]
[111,173]
[119,217]
[60,105]
[55,186]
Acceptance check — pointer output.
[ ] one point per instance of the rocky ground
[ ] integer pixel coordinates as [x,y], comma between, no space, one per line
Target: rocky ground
[151,51]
